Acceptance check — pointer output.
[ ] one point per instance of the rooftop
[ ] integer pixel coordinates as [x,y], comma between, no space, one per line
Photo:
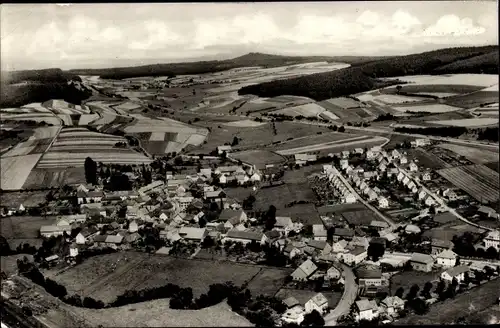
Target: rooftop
[455,271]
[422,258]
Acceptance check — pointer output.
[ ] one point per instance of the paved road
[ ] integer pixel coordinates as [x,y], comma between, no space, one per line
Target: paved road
[391,223]
[443,204]
[348,297]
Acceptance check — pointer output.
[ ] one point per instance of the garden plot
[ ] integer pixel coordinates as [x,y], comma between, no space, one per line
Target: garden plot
[15,170]
[307,110]
[475,155]
[431,108]
[469,122]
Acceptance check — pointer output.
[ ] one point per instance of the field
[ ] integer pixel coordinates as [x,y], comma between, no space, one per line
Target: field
[406,279]
[23,227]
[479,80]
[447,312]
[434,89]
[431,108]
[343,102]
[105,277]
[302,213]
[9,263]
[15,170]
[447,233]
[259,158]
[475,155]
[307,110]
[333,146]
[473,100]
[489,316]
[470,122]
[158,314]
[245,123]
[29,147]
[27,198]
[427,159]
[54,177]
[345,115]
[38,117]
[493,165]
[397,99]
[477,180]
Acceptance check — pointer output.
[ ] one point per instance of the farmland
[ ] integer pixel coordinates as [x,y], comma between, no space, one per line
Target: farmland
[426,159]
[406,279]
[447,312]
[27,198]
[54,177]
[345,115]
[306,110]
[477,180]
[431,108]
[15,170]
[470,122]
[104,277]
[23,227]
[259,158]
[305,295]
[478,80]
[477,156]
[473,100]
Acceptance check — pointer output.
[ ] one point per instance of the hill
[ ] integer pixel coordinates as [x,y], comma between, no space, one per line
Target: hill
[364,75]
[18,88]
[201,67]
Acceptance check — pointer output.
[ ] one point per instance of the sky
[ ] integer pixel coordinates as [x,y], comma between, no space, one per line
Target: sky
[111,35]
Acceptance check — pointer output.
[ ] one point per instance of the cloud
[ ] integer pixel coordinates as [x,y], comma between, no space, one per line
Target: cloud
[159,36]
[452,25]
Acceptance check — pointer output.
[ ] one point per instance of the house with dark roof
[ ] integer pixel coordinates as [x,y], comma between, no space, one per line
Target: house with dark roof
[422,262]
[457,273]
[290,302]
[447,258]
[343,233]
[320,246]
[245,237]
[392,305]
[193,233]
[304,271]
[369,275]
[232,218]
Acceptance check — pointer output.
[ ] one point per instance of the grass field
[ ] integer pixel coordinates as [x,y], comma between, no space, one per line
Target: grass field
[344,115]
[105,277]
[429,89]
[343,102]
[473,100]
[23,227]
[493,165]
[27,198]
[431,108]
[469,122]
[54,177]
[158,314]
[406,279]
[9,263]
[475,155]
[307,110]
[479,80]
[427,159]
[474,300]
[489,316]
[259,158]
[15,170]
[477,180]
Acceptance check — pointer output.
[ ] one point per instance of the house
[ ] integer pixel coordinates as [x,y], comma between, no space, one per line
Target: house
[457,273]
[429,201]
[439,246]
[446,258]
[392,172]
[291,302]
[131,238]
[51,260]
[379,225]
[403,160]
[370,174]
[113,240]
[333,273]
[426,176]
[421,262]
[354,256]
[382,167]
[304,271]
[255,177]
[207,173]
[293,315]
[406,181]
[342,233]
[366,310]
[420,142]
[339,246]
[301,159]
[492,239]
[358,241]
[84,234]
[133,226]
[413,167]
[318,302]
[319,232]
[422,194]
[392,305]
[345,154]
[369,275]
[370,154]
[395,154]
[450,194]
[154,186]
[222,149]
[488,212]
[349,198]
[271,236]
[193,233]
[400,176]
[344,163]
[291,251]
[372,195]
[410,228]
[54,230]
[283,224]
[73,250]
[245,237]
[383,202]
[232,218]
[321,246]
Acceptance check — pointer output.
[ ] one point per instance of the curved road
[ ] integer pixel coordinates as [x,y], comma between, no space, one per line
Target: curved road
[348,297]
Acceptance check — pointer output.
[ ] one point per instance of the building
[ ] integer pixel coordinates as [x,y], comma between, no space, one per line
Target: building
[439,246]
[457,273]
[344,163]
[426,176]
[370,154]
[349,198]
[492,239]
[283,224]
[421,262]
[446,258]
[304,271]
[403,160]
[193,234]
[294,315]
[354,256]
[291,251]
[383,202]
[319,231]
[321,246]
[413,167]
[392,305]
[358,241]
[84,235]
[339,246]
[333,273]
[345,154]
[54,230]
[113,240]
[301,159]
[222,149]
[245,237]
[429,201]
[411,228]
[73,250]
[133,226]
[342,233]
[154,186]
[450,194]
[422,194]
[318,302]
[379,225]
[359,150]
[366,310]
[369,275]
[488,212]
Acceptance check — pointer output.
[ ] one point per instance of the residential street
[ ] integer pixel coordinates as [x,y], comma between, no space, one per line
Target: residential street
[348,297]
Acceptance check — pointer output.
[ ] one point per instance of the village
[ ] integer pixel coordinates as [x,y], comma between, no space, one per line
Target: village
[355,249]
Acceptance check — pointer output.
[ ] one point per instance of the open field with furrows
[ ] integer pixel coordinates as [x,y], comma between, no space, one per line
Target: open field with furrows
[447,312]
[255,136]
[493,165]
[345,115]
[343,102]
[473,100]
[477,180]
[24,227]
[447,232]
[337,146]
[105,277]
[475,155]
[58,106]
[54,177]
[245,123]
[406,279]
[29,147]
[438,90]
[431,108]
[268,281]
[27,198]
[38,117]
[15,170]
[301,175]
[104,107]
[158,314]
[479,80]
[427,159]
[469,122]
[397,99]
[318,139]
[307,110]
[259,158]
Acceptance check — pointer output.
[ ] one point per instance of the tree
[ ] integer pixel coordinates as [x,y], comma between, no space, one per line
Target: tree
[432,210]
[90,171]
[419,306]
[491,253]
[341,129]
[426,292]
[399,292]
[376,251]
[270,217]
[235,141]
[413,292]
[398,88]
[313,319]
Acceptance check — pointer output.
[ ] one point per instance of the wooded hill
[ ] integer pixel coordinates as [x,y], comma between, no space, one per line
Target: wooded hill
[364,76]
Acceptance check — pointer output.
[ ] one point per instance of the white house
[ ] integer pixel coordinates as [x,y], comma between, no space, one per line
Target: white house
[283,224]
[339,246]
[492,239]
[450,194]
[354,256]
[422,194]
[429,201]
[426,176]
[359,150]
[73,250]
[367,310]
[255,177]
[400,176]
[48,231]
[370,154]
[222,149]
[245,237]
[318,302]
[446,258]
[319,232]
[457,272]
[393,304]
[304,271]
[413,167]
[294,315]
[344,163]
[403,160]
[133,227]
[345,154]
[349,198]
[383,202]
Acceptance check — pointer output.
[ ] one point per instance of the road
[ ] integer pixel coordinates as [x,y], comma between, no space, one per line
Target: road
[391,223]
[347,299]
[13,317]
[445,206]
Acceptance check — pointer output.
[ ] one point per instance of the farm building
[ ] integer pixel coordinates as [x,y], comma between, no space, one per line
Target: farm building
[457,273]
[488,212]
[358,241]
[318,302]
[383,202]
[301,159]
[321,246]
[293,315]
[438,246]
[333,273]
[342,233]
[369,275]
[291,251]
[392,305]
[304,271]
[245,237]
[193,234]
[446,258]
[319,232]
[410,228]
[492,239]
[283,224]
[222,149]
[354,256]
[54,230]
[366,310]
[421,262]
